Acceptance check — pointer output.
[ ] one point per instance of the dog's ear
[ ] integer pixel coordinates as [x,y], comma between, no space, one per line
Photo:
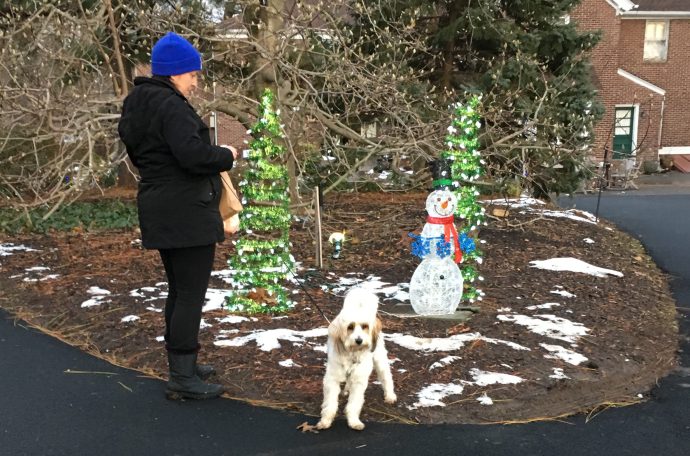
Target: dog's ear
[335,333]
[375,333]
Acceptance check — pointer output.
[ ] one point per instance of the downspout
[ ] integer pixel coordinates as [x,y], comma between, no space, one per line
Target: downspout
[661,125]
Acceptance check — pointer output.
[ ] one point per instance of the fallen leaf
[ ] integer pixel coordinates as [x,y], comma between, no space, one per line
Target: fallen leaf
[306,427]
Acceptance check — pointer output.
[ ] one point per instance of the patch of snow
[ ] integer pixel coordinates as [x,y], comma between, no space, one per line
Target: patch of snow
[204,324]
[569,214]
[268,340]
[35,274]
[558,374]
[485,378]
[523,201]
[547,305]
[215,299]
[97,291]
[9,249]
[565,294]
[562,353]
[321,348]
[95,301]
[549,326]
[431,395]
[574,265]
[232,319]
[287,363]
[129,318]
[371,283]
[485,400]
[451,343]
[443,362]
[589,241]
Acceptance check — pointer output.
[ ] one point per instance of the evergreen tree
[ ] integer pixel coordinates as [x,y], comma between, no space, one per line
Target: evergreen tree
[529,62]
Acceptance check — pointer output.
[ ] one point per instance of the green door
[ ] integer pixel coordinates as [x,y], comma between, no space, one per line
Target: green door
[623,132]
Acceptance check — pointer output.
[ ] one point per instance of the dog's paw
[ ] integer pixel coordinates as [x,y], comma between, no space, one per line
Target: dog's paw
[390,398]
[324,424]
[355,424]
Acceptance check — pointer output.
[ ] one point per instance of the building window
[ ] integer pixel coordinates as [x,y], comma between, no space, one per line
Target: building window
[656,41]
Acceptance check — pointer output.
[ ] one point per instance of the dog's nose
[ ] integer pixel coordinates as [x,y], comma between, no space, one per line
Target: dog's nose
[358,341]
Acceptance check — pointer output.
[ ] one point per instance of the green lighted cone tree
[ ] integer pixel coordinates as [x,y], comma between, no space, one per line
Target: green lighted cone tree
[263,259]
[466,167]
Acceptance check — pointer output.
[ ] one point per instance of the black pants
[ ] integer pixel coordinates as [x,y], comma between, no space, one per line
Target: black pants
[188,270]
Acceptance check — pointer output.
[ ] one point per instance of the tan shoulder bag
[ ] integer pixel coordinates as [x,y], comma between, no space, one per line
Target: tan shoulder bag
[230,205]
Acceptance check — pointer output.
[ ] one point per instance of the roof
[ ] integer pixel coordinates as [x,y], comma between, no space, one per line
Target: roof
[663,5]
[654,9]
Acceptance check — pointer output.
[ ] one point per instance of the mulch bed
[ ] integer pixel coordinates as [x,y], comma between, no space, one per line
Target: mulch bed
[631,343]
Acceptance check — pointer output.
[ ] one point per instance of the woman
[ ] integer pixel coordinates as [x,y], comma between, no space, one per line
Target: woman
[179,193]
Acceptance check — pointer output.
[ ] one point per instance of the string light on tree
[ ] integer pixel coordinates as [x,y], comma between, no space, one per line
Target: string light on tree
[466,167]
[263,259]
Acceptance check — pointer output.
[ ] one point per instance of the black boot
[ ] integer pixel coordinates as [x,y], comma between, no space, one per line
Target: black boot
[204,371]
[184,383]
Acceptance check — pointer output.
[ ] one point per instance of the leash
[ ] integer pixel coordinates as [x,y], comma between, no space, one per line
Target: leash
[311,298]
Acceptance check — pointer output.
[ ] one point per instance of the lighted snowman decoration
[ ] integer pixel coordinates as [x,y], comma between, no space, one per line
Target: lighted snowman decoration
[440,223]
[436,285]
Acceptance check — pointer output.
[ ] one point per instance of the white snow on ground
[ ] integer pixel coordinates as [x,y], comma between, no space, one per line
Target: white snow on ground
[233,319]
[558,374]
[570,214]
[99,297]
[35,274]
[528,204]
[548,325]
[444,362]
[547,305]
[567,355]
[129,318]
[288,363]
[522,202]
[485,400]
[565,294]
[589,241]
[431,396]
[373,284]
[451,343]
[215,299]
[573,265]
[270,339]
[149,293]
[484,378]
[97,291]
[10,249]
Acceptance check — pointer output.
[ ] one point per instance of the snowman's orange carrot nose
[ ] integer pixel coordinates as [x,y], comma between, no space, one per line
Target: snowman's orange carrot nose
[444,204]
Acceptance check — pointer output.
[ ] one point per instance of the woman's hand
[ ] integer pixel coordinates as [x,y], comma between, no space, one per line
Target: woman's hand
[232,149]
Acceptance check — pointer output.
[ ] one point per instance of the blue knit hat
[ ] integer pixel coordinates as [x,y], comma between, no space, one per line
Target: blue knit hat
[173,55]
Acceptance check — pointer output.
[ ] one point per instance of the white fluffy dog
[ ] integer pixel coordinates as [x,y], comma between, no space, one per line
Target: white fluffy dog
[355,348]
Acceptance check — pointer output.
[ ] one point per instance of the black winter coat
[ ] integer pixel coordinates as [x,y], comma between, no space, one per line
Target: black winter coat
[180,186]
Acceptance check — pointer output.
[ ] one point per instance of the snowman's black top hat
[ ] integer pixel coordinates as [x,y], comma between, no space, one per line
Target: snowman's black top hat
[441,174]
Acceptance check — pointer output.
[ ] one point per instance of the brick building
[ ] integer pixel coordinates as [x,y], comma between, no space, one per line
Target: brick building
[640,68]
